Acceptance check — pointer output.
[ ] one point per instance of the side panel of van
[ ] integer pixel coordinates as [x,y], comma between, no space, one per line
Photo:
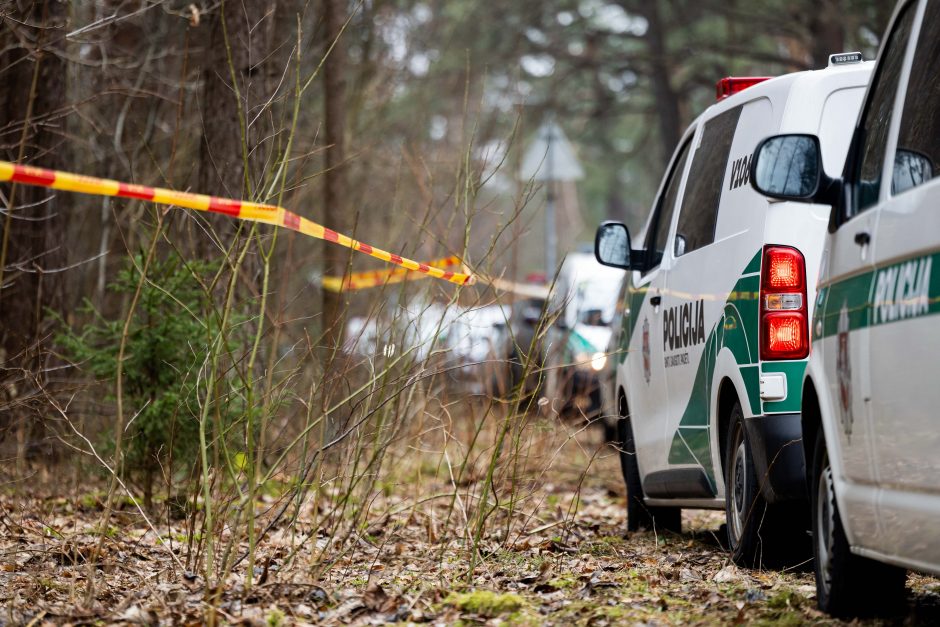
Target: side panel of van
[903,326]
[712,295]
[641,374]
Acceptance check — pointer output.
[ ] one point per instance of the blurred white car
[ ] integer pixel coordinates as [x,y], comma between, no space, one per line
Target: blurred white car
[473,340]
[583,301]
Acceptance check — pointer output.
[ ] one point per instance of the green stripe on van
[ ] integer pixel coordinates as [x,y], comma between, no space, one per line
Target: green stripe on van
[890,293]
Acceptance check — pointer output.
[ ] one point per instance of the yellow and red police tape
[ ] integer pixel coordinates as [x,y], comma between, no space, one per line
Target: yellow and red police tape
[378,278]
[250,211]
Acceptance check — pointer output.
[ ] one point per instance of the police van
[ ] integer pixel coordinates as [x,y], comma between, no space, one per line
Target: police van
[581,306]
[714,335]
[870,396]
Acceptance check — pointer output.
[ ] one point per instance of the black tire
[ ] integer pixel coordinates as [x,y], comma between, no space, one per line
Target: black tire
[745,508]
[639,515]
[847,585]
[758,534]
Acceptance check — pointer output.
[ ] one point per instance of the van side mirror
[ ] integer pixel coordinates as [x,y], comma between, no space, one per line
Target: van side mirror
[789,167]
[612,245]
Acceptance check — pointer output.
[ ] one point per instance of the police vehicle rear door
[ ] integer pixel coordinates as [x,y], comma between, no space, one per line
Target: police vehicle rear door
[905,336]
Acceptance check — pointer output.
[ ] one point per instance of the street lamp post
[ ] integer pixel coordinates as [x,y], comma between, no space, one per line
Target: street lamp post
[551,224]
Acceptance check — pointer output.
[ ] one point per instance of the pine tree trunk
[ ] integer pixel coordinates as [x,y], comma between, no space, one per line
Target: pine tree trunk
[667,100]
[249,45]
[335,212]
[33,245]
[827,31]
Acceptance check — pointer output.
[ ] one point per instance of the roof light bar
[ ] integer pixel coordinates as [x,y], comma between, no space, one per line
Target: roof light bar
[731,85]
[844,58]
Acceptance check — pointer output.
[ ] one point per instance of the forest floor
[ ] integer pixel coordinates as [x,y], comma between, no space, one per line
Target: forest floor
[565,561]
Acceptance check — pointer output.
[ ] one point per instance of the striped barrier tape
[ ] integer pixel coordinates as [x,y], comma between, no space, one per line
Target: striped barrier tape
[377,278]
[250,211]
[526,290]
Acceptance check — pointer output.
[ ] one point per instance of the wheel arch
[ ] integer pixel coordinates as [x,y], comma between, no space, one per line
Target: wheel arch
[810,423]
[727,397]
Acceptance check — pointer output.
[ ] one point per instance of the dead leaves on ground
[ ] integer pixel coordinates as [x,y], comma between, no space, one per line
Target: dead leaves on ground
[552,562]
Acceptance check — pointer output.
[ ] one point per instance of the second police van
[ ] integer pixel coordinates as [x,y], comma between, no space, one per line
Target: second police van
[870,398]
[714,336]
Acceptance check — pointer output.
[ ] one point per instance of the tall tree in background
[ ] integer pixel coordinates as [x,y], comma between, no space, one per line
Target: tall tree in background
[334,179]
[243,72]
[31,120]
[226,68]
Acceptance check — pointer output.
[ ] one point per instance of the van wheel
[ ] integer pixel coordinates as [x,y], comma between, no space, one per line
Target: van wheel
[639,515]
[758,533]
[748,521]
[846,584]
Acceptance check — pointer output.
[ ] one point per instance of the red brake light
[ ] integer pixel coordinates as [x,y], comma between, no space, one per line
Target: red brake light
[731,85]
[785,335]
[784,328]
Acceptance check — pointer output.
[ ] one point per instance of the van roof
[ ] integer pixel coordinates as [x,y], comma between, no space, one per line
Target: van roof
[786,82]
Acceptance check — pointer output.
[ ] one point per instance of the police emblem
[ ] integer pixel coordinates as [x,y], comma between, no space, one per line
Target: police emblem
[844,372]
[646,350]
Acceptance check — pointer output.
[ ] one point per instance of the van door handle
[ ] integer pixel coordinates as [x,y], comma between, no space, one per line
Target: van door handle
[862,238]
[656,300]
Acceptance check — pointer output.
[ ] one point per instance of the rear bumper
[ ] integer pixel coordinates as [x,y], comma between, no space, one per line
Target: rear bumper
[776,444]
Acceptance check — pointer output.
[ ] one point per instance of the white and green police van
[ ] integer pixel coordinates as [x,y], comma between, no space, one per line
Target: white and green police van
[714,336]
[870,396]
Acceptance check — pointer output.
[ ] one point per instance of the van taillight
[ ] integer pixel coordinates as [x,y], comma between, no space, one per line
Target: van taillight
[784,328]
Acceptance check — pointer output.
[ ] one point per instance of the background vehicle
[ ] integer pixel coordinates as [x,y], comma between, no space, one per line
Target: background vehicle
[582,306]
[713,340]
[472,344]
[524,345]
[869,403]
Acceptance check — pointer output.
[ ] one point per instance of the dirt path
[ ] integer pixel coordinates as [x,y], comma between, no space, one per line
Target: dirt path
[564,561]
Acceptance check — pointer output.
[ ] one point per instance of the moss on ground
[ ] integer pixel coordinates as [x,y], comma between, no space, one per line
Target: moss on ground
[485,602]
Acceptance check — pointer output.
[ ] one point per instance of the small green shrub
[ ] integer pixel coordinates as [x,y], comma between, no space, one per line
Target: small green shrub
[166,346]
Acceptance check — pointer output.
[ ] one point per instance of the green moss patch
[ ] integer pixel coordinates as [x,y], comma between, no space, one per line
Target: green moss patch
[484,602]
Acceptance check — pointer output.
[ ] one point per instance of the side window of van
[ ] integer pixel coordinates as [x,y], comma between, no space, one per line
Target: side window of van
[918,151]
[877,116]
[659,227]
[699,212]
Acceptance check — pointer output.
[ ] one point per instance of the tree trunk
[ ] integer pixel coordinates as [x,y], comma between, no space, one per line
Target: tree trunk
[334,184]
[221,165]
[827,31]
[33,246]
[249,46]
[665,96]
